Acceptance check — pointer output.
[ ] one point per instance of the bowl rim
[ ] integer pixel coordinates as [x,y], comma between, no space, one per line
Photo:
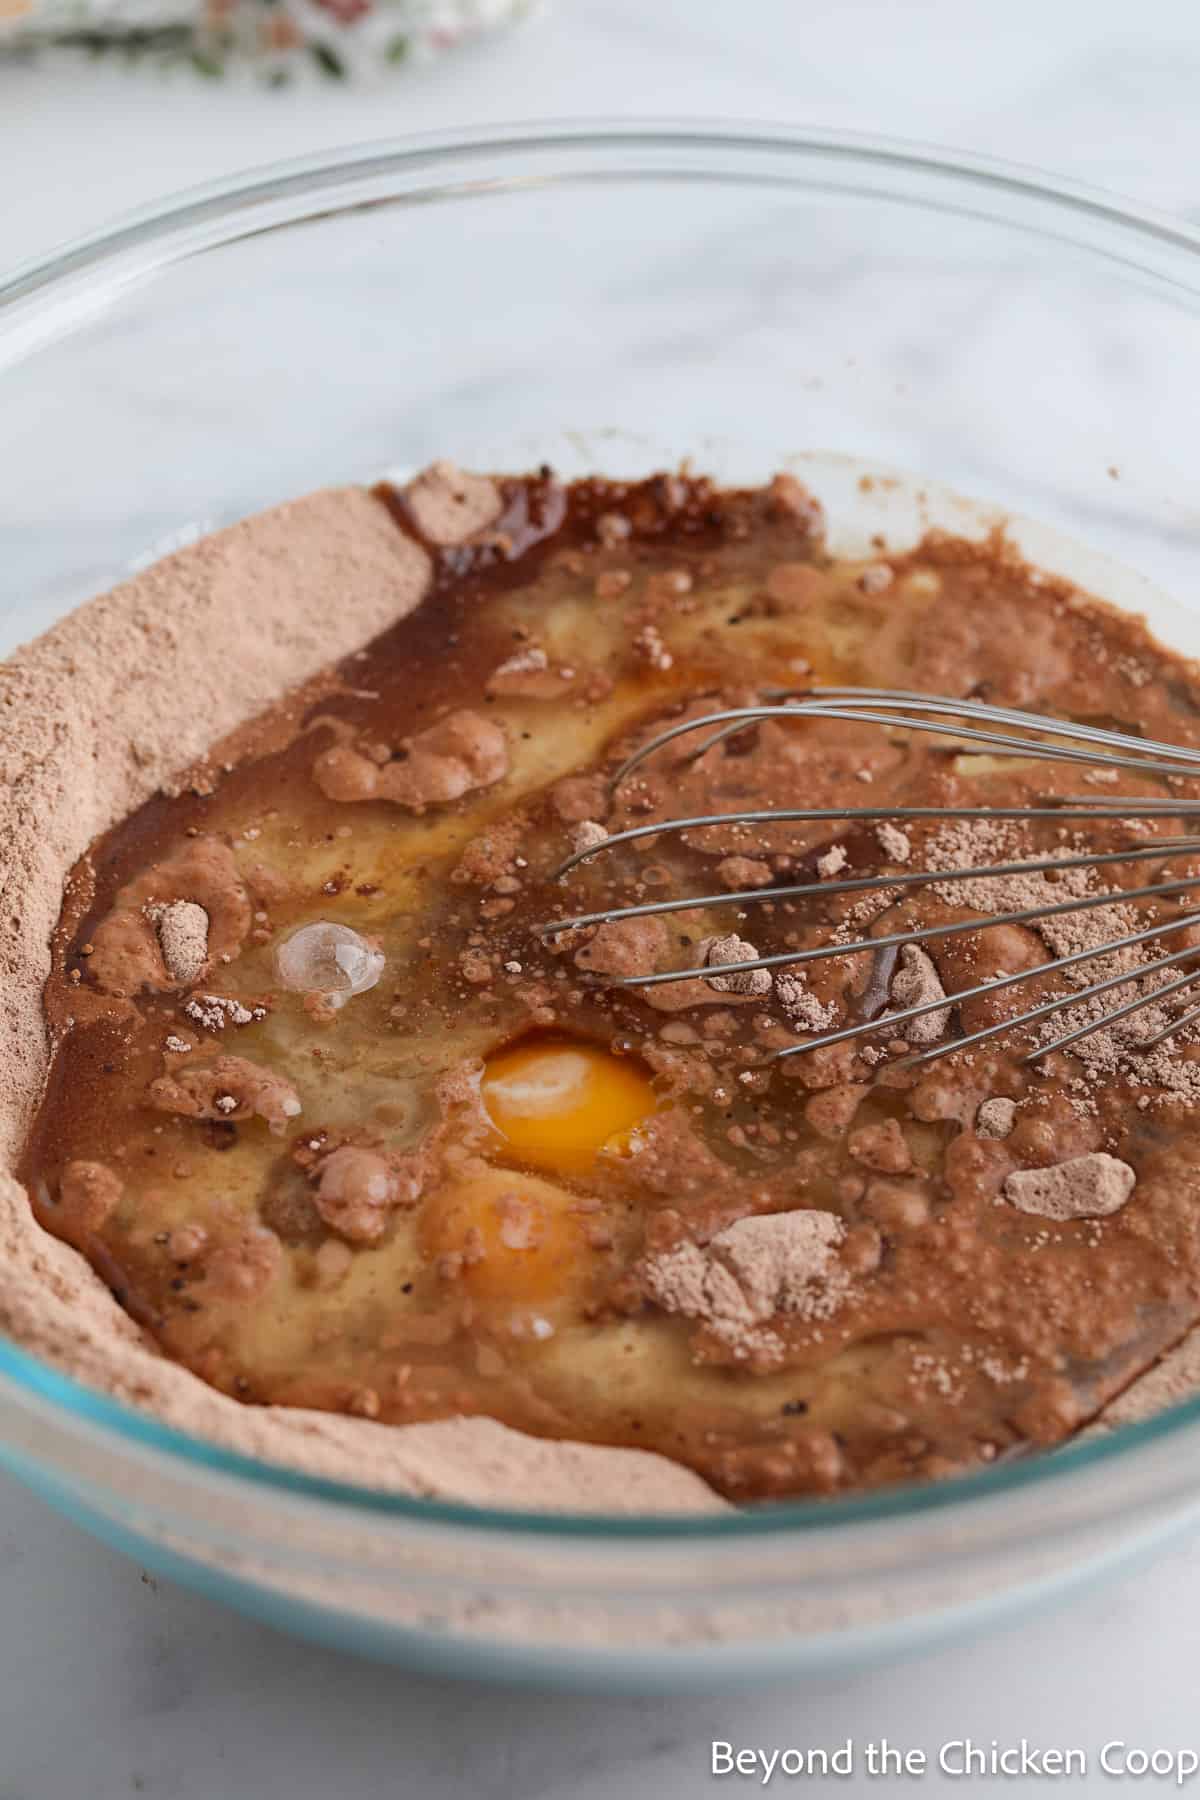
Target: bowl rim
[292,177]
[222,212]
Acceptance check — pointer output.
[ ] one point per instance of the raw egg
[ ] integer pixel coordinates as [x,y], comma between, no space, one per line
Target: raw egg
[557,1102]
[516,1239]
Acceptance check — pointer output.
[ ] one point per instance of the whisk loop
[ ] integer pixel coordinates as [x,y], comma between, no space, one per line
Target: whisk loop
[896,710]
[863,705]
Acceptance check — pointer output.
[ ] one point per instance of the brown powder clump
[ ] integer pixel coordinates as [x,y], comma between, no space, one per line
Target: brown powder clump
[893,842]
[587,835]
[129,947]
[623,947]
[744,872]
[229,1087]
[995,1118]
[781,1260]
[461,752]
[528,674]
[917,983]
[212,1012]
[716,952]
[1083,1187]
[652,650]
[882,1146]
[805,1012]
[1112,1048]
[183,939]
[975,843]
[691,1281]
[356,1191]
[752,1271]
[448,506]
[458,754]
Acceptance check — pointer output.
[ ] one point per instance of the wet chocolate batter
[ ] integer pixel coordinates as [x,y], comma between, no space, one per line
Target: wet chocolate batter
[342,1127]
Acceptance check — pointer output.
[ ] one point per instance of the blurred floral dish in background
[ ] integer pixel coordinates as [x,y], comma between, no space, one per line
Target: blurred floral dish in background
[278,40]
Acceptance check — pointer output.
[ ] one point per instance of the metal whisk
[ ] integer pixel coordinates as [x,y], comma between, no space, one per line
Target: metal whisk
[1026,735]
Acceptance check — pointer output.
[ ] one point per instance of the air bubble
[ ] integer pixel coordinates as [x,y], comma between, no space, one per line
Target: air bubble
[329,959]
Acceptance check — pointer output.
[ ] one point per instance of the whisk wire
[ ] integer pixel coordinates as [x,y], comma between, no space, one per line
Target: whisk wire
[1135,757]
[813,700]
[1062,741]
[1162,849]
[892,1020]
[1073,807]
[1176,1026]
[923,934]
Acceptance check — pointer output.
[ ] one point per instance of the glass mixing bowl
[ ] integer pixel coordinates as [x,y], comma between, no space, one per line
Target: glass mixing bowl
[610,297]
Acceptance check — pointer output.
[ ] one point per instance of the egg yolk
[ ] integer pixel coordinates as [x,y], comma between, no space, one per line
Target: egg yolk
[515,1237]
[557,1104]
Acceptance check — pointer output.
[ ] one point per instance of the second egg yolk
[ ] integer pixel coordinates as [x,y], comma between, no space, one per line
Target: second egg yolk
[557,1103]
[518,1238]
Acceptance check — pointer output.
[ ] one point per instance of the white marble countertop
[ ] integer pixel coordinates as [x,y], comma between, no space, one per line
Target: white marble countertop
[112,1684]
